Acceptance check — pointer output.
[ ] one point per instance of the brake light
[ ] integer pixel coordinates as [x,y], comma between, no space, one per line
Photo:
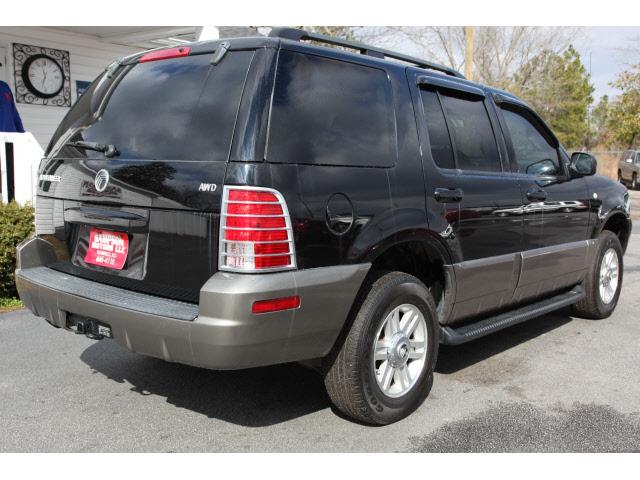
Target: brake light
[275,305]
[255,231]
[164,54]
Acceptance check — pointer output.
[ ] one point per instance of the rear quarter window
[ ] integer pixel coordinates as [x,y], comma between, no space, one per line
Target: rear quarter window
[330,112]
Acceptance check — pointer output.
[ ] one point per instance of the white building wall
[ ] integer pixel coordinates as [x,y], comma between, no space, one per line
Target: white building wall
[88,58]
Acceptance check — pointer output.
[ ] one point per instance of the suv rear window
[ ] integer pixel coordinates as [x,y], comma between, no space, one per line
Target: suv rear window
[470,128]
[331,112]
[437,129]
[177,109]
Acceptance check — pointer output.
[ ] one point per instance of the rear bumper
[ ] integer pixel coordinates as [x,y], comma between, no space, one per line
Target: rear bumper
[220,332]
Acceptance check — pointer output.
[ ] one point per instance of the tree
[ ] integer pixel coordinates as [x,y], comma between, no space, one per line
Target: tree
[499,52]
[599,122]
[338,31]
[558,87]
[624,115]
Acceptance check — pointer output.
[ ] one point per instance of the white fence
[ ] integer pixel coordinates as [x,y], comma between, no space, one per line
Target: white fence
[20,155]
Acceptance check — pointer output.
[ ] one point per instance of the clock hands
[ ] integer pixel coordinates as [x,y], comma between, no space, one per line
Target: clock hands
[44,77]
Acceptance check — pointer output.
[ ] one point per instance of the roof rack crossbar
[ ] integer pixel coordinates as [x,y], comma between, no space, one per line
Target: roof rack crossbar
[298,35]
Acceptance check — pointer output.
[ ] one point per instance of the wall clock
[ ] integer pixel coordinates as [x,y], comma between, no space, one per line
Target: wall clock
[41,75]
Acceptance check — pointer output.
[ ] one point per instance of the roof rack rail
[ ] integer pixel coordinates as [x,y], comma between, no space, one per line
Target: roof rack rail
[298,35]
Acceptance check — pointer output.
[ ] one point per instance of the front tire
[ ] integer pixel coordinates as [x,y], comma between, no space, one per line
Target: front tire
[604,280]
[384,369]
[634,182]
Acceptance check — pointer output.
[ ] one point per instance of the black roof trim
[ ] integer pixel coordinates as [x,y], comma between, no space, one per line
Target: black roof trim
[441,82]
[298,35]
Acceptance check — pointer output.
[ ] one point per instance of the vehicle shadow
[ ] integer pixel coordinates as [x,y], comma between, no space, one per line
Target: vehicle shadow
[253,398]
[454,358]
[270,395]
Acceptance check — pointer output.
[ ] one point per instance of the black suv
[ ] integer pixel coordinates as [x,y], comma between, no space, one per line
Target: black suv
[248,202]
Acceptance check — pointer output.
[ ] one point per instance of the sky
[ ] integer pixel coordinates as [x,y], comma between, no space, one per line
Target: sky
[602,50]
[606,47]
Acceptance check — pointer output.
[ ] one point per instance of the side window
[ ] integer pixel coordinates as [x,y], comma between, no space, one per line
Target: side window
[534,151]
[473,138]
[638,158]
[437,129]
[331,112]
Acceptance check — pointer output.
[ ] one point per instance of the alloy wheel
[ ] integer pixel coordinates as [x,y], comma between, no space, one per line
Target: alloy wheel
[400,350]
[608,283]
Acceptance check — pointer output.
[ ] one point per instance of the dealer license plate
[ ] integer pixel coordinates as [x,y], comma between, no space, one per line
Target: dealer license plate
[107,249]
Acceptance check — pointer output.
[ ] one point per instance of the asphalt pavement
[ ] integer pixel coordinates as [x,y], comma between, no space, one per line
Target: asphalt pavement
[555,383]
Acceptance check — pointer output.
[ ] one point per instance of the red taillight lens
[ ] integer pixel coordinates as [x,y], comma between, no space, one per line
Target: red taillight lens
[270,248]
[255,222]
[275,305]
[252,196]
[254,209]
[272,262]
[165,54]
[255,231]
[255,235]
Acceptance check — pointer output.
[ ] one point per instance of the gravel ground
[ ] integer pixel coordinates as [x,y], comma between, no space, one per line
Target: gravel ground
[556,383]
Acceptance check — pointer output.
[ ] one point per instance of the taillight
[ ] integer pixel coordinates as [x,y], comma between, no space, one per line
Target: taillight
[255,231]
[164,54]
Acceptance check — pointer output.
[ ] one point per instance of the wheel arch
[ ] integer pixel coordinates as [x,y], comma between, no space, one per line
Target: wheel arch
[617,222]
[421,253]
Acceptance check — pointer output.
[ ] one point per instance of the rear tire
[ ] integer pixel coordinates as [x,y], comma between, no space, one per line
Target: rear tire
[602,288]
[381,374]
[620,177]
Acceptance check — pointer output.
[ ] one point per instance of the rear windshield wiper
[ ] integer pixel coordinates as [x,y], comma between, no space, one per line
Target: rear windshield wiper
[108,150]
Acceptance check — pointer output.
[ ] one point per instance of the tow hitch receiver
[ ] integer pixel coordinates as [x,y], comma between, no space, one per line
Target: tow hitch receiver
[89,327]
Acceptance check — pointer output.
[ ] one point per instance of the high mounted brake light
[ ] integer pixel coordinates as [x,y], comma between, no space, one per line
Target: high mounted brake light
[164,54]
[255,231]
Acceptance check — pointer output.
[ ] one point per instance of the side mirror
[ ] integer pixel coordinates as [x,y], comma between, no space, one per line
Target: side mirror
[583,164]
[543,168]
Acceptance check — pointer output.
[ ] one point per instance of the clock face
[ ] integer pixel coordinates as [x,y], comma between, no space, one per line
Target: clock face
[43,76]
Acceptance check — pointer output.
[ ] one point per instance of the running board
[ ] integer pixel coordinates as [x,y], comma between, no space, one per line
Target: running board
[466,333]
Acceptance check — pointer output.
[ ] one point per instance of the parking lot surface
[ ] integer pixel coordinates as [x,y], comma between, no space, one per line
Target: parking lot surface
[555,383]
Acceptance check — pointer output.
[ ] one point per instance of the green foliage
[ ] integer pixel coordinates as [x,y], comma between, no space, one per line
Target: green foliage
[16,224]
[8,304]
[558,87]
[623,121]
[600,121]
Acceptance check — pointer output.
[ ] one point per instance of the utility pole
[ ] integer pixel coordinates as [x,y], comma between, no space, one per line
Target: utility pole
[468,57]
[589,107]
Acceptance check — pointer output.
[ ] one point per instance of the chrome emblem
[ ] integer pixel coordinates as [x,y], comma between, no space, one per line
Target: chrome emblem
[208,187]
[50,178]
[101,181]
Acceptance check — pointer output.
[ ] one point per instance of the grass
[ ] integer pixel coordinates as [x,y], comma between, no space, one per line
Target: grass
[10,304]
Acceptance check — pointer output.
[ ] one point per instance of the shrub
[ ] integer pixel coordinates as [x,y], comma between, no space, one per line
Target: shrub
[16,224]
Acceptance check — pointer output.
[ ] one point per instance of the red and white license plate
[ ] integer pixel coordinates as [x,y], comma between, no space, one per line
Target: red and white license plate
[107,249]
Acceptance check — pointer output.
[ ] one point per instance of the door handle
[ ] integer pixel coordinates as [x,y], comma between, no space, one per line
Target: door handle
[446,195]
[536,195]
